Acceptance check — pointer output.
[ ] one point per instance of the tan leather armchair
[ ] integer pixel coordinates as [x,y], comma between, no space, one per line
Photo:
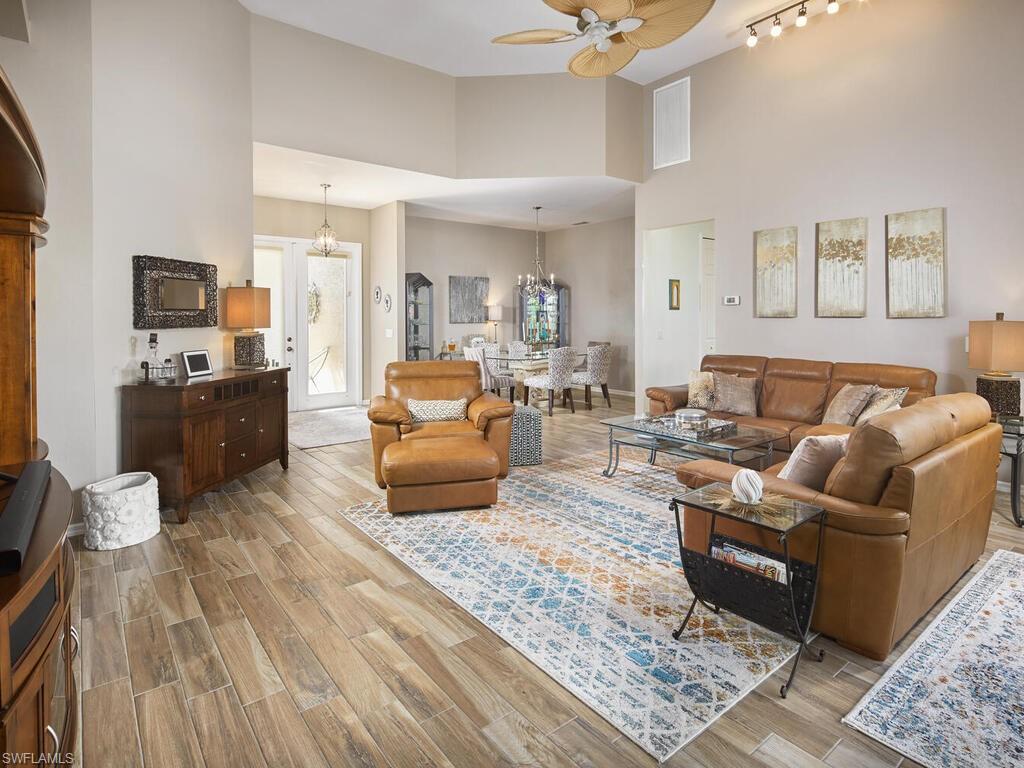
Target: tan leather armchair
[488,417]
[908,514]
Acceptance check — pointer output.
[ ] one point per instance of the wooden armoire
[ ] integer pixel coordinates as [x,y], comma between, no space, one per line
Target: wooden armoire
[38,697]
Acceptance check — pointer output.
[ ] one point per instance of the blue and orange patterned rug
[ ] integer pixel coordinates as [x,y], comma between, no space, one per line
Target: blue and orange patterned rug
[581,574]
[956,697]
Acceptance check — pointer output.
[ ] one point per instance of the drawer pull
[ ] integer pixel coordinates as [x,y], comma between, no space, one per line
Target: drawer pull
[202,397]
[56,739]
[242,455]
[274,381]
[242,419]
[220,445]
[261,430]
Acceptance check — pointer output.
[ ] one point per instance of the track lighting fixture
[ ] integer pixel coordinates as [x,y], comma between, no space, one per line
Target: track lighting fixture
[832,7]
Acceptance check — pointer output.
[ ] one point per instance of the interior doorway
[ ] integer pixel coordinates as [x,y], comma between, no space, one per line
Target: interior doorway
[316,319]
[679,302]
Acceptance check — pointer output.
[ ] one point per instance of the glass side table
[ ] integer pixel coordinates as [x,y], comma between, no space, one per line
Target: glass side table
[786,606]
[1013,431]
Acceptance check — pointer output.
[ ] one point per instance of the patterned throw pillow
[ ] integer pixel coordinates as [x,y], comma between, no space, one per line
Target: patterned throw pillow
[848,403]
[735,394]
[702,390]
[437,410]
[883,400]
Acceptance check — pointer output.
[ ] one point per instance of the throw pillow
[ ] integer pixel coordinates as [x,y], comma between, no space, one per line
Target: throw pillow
[702,390]
[883,400]
[813,460]
[735,394]
[437,410]
[848,403]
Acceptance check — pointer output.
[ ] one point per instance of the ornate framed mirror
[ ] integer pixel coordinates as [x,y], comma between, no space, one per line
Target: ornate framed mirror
[168,293]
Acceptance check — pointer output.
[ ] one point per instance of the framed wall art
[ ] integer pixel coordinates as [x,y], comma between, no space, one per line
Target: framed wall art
[915,263]
[674,294]
[840,268]
[775,253]
[467,299]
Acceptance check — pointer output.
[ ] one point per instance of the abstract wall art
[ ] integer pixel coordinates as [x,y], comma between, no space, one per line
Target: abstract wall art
[841,266]
[915,263]
[775,272]
[674,299]
[467,299]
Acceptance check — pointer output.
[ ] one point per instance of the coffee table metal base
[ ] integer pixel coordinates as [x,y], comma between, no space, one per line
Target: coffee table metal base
[692,451]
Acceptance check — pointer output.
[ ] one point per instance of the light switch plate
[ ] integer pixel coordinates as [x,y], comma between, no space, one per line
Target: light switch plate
[731,301]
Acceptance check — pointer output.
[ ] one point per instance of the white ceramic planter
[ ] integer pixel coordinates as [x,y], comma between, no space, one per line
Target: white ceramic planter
[121,511]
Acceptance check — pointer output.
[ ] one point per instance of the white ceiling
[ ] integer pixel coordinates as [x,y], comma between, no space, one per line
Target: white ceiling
[296,175]
[453,36]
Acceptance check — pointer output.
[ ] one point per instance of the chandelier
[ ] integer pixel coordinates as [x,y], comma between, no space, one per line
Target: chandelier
[537,286]
[325,242]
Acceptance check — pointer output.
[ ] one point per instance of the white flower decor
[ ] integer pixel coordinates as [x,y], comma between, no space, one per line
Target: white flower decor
[747,487]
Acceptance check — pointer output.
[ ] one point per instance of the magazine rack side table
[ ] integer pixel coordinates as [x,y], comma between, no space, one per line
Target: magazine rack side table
[786,606]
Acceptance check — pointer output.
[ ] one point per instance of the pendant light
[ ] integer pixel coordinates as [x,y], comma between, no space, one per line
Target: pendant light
[325,242]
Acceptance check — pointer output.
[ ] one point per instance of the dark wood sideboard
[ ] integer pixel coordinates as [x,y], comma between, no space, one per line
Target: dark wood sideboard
[197,434]
[38,697]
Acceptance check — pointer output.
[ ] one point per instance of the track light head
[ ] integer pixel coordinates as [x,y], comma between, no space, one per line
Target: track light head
[752,39]
[801,17]
[777,27]
[832,7]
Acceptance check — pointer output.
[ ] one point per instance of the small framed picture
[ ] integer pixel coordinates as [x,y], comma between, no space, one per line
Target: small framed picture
[673,294]
[197,363]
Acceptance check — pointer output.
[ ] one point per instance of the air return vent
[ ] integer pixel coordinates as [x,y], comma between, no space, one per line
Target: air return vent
[672,123]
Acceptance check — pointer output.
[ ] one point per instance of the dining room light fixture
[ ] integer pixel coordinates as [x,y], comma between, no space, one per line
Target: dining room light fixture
[325,241]
[537,285]
[777,21]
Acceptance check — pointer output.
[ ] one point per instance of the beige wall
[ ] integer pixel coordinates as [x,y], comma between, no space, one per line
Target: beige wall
[885,107]
[292,218]
[53,79]
[624,131]
[318,94]
[387,269]
[596,262]
[440,249]
[172,172]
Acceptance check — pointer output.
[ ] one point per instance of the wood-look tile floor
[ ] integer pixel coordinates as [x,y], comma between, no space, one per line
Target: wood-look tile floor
[269,631]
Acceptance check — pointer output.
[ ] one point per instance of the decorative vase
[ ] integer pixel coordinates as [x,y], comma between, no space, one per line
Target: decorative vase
[121,511]
[747,487]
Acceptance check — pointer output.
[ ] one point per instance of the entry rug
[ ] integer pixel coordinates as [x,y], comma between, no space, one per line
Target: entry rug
[314,429]
[581,574]
[956,697]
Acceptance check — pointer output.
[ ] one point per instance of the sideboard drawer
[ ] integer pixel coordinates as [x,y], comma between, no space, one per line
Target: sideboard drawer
[240,421]
[275,382]
[241,454]
[199,397]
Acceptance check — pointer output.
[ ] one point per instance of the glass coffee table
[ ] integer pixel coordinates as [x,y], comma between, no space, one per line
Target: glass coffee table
[658,435]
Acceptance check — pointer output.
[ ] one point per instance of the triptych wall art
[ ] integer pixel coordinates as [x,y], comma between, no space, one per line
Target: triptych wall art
[915,267]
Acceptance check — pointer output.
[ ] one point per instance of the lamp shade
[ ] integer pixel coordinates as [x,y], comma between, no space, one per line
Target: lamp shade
[247,307]
[996,345]
[495,313]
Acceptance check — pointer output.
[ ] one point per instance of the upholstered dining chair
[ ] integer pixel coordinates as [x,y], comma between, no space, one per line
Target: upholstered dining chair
[557,379]
[599,362]
[500,372]
[490,382]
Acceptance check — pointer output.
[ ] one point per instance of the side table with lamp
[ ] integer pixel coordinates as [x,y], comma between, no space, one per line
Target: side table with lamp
[997,347]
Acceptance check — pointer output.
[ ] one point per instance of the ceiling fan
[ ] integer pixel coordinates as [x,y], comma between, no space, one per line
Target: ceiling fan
[616,30]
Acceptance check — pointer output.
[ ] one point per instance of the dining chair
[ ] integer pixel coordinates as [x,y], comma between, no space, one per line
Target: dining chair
[489,381]
[518,348]
[501,375]
[599,362]
[558,378]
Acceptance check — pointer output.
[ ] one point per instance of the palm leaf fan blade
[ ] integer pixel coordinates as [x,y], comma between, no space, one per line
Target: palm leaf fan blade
[533,36]
[590,62]
[665,20]
[607,10]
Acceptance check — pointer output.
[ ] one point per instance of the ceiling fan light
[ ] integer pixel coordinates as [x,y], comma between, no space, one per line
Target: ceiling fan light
[603,45]
[832,7]
[752,39]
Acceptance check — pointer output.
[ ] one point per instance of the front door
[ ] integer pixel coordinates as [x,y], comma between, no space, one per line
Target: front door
[320,318]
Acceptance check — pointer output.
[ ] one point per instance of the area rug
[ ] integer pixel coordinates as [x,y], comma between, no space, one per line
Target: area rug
[314,429]
[581,574]
[956,697]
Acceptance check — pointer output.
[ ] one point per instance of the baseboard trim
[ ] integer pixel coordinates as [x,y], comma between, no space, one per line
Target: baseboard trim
[619,392]
[1004,486]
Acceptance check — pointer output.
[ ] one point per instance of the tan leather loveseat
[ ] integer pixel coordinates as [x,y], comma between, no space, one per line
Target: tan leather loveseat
[794,394]
[908,514]
[438,464]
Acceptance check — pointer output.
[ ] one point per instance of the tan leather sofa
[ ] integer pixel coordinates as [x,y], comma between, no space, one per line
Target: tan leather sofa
[439,464]
[908,514]
[794,394]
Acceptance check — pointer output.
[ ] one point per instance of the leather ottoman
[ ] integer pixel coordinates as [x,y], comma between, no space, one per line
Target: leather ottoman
[440,473]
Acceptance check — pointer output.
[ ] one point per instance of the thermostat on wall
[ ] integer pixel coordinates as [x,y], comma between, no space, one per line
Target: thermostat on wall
[731,301]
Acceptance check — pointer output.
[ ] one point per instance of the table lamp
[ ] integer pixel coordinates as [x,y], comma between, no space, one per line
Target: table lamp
[247,309]
[495,314]
[997,347]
